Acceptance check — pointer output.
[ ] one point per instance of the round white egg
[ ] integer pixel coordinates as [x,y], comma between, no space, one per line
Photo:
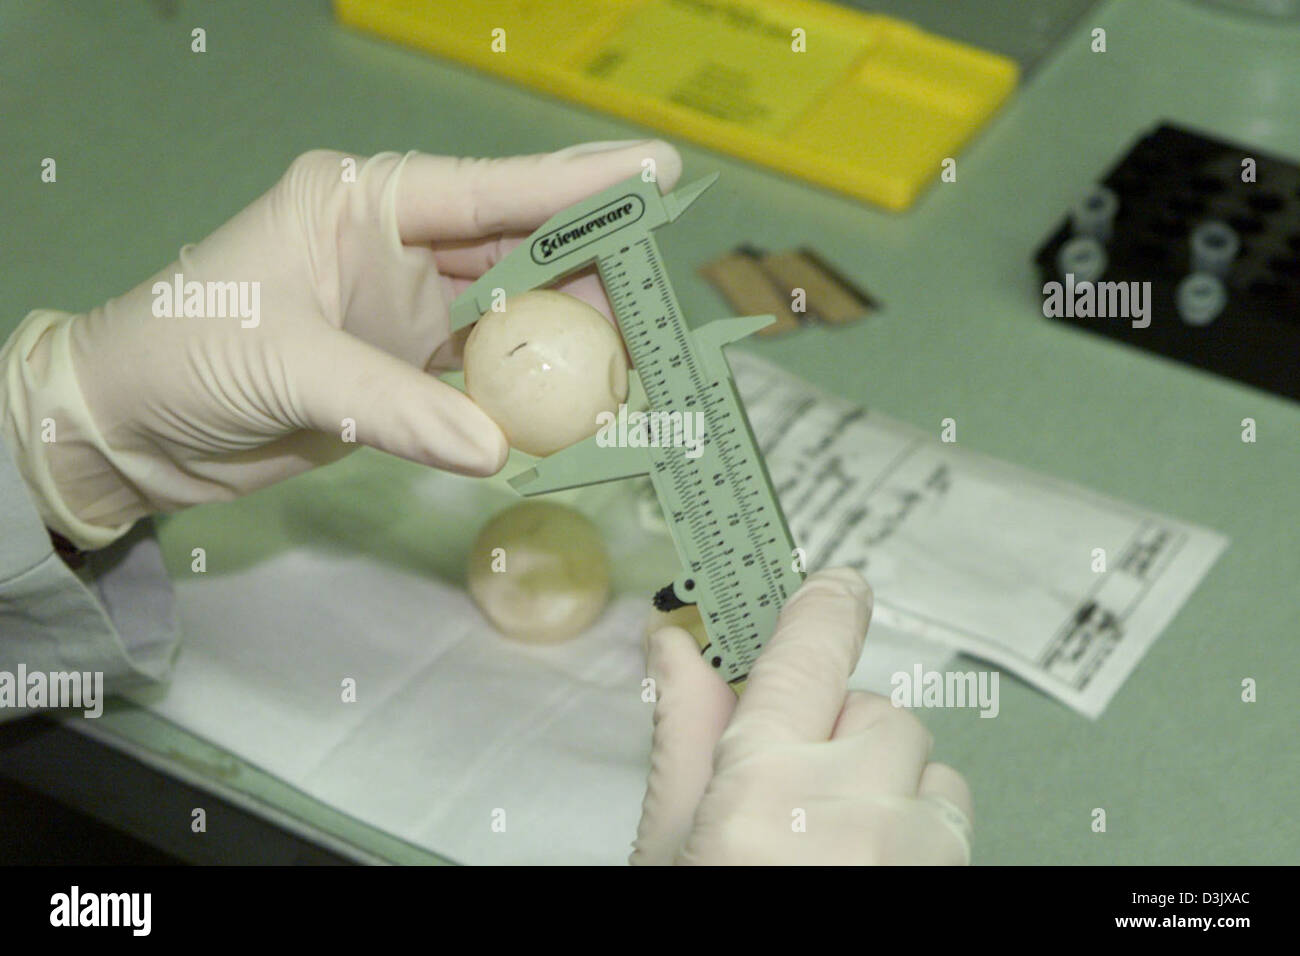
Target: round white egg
[539,572]
[544,369]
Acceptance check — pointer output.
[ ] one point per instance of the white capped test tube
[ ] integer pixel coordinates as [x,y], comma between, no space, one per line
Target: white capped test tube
[1201,297]
[1084,256]
[1094,214]
[1214,246]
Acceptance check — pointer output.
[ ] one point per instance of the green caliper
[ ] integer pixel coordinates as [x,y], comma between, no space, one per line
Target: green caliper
[739,561]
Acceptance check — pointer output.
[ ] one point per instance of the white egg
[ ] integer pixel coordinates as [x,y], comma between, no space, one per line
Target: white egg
[539,572]
[544,368]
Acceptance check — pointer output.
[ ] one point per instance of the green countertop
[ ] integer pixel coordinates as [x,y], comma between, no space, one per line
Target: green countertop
[156,146]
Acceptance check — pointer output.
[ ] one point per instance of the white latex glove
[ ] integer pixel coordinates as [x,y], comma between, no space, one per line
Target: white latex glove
[731,779]
[357,261]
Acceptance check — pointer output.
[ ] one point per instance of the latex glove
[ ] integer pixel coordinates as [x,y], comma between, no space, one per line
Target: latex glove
[356,262]
[730,778]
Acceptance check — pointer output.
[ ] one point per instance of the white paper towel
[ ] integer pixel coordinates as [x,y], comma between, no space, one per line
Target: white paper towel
[452,724]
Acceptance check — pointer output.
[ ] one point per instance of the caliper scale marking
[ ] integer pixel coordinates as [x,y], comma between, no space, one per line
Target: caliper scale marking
[726,524]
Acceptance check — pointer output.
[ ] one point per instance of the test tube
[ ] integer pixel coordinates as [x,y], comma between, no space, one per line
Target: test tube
[1214,246]
[1084,256]
[1094,214]
[1201,297]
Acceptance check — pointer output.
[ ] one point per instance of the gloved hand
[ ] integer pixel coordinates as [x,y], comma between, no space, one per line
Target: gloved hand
[350,266]
[798,770]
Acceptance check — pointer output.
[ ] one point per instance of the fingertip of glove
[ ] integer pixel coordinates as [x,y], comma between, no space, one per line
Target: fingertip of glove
[486,453]
[842,581]
[949,782]
[481,447]
[666,644]
[667,160]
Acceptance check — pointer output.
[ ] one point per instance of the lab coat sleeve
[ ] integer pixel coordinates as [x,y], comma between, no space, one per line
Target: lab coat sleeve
[114,615]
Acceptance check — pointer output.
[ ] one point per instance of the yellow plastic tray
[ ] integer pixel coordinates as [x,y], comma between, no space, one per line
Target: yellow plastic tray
[872,108]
